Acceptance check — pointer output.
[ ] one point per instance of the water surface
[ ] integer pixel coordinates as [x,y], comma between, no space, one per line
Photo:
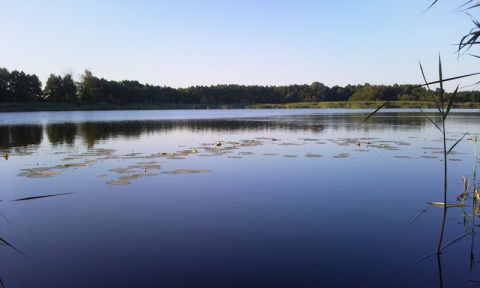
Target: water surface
[232,198]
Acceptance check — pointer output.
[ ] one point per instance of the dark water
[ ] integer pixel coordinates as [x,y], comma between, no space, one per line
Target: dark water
[234,198]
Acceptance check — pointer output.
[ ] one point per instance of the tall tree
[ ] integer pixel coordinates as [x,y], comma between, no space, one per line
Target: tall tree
[4,81]
[89,90]
[60,90]
[24,88]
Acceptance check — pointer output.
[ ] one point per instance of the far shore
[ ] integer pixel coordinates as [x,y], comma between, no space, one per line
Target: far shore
[32,107]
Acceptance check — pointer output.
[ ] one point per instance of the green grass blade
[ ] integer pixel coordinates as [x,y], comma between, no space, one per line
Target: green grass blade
[440,77]
[433,122]
[458,141]
[376,110]
[448,79]
[475,5]
[450,103]
[431,5]
[428,86]
[423,74]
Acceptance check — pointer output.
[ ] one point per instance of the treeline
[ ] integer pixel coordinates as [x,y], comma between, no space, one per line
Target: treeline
[18,87]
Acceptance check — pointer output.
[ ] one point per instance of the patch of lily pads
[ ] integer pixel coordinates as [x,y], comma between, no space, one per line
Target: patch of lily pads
[136,176]
[312,155]
[119,182]
[38,172]
[183,171]
[342,155]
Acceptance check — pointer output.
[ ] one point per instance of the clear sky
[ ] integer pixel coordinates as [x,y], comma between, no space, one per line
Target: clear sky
[251,42]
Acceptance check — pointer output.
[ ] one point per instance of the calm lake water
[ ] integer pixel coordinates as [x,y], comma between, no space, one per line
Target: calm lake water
[234,198]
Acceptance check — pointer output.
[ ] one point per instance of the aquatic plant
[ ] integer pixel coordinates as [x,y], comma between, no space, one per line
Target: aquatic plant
[443,106]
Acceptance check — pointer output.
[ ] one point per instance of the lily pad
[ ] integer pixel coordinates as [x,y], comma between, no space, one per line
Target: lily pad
[342,155]
[122,170]
[182,171]
[135,176]
[42,172]
[311,155]
[119,182]
[290,156]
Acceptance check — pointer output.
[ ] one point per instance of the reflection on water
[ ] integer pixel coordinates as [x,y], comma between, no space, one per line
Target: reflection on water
[91,132]
[20,135]
[304,198]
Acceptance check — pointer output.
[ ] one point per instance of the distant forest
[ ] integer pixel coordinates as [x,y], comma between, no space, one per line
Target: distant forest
[18,87]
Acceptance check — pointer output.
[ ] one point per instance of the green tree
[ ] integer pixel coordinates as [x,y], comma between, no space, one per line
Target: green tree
[60,90]
[89,89]
[24,88]
[4,82]
[69,89]
[53,89]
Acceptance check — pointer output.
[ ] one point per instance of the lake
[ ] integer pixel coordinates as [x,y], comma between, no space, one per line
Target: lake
[235,198]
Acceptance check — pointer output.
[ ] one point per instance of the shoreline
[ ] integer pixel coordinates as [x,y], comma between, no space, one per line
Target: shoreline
[38,107]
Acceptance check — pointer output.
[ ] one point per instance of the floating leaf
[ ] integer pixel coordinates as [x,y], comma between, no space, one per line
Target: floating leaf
[441,204]
[119,182]
[342,155]
[181,171]
[38,173]
[135,176]
[310,155]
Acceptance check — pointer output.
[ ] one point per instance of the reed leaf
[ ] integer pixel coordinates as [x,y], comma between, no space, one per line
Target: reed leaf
[440,78]
[448,79]
[433,122]
[424,210]
[6,219]
[465,4]
[42,196]
[423,74]
[455,240]
[448,205]
[428,86]
[474,6]
[458,141]
[376,110]
[450,103]
[471,38]
[5,242]
[431,5]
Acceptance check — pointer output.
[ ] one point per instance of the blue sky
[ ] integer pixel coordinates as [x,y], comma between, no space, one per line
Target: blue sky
[188,43]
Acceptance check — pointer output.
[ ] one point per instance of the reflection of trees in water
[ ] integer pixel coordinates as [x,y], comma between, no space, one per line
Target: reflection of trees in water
[92,132]
[61,133]
[20,135]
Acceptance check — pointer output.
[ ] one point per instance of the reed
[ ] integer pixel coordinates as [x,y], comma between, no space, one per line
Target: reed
[443,113]
[443,106]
